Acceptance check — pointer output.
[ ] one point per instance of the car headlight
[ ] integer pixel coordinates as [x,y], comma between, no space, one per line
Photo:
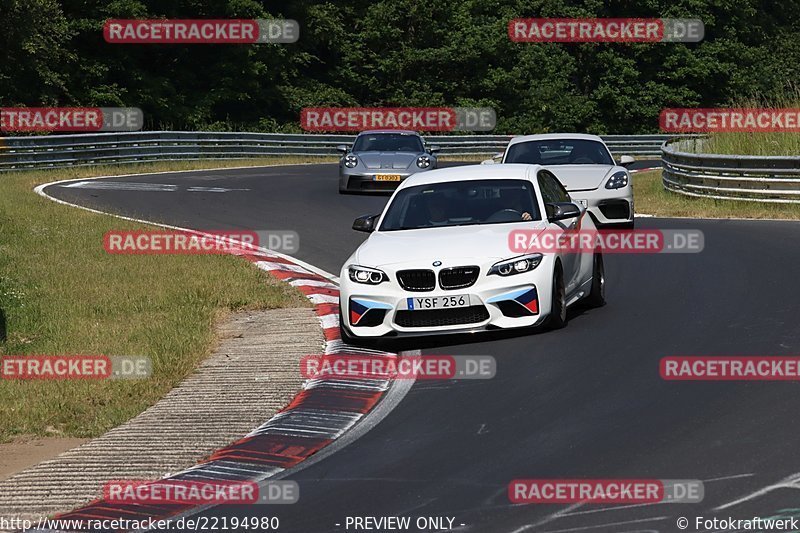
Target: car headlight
[423,161]
[518,265]
[366,275]
[350,161]
[618,180]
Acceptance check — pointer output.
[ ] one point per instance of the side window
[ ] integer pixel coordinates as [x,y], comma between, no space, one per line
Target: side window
[563,195]
[549,194]
[552,189]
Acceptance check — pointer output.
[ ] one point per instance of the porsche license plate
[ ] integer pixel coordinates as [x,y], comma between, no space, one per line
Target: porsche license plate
[437,302]
[387,177]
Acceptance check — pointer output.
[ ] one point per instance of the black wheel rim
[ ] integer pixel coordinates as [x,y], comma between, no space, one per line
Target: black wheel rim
[561,298]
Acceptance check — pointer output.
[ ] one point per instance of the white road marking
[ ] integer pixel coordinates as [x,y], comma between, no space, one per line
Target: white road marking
[312,283]
[584,528]
[133,186]
[122,186]
[735,476]
[269,265]
[329,321]
[213,189]
[789,482]
[549,518]
[317,299]
[621,507]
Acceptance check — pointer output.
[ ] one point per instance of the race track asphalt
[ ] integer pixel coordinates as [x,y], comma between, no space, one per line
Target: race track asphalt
[583,402]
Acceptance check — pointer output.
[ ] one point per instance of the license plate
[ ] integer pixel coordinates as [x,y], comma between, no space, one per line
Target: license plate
[437,302]
[387,177]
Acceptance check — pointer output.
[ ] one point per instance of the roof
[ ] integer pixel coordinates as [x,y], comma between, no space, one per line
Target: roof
[470,172]
[405,132]
[554,136]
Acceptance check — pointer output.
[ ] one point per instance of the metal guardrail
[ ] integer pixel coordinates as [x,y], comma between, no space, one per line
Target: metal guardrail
[57,151]
[729,177]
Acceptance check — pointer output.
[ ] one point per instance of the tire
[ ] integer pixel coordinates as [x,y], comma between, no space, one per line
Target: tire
[558,311]
[597,296]
[343,190]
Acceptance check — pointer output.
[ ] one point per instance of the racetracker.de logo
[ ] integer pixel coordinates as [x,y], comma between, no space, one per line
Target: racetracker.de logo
[70,119]
[395,367]
[186,492]
[606,241]
[730,368]
[356,119]
[706,120]
[69,367]
[179,242]
[605,30]
[609,491]
[202,31]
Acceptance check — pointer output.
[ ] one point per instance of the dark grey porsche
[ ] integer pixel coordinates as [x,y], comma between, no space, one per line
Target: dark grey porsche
[380,159]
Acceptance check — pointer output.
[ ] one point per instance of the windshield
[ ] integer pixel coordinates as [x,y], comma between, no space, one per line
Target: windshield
[461,203]
[559,152]
[388,142]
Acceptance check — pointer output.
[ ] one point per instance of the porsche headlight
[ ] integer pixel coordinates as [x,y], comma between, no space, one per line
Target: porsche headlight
[350,161]
[518,265]
[424,161]
[366,275]
[618,180]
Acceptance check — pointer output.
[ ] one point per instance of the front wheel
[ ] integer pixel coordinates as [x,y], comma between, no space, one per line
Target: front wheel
[597,296]
[558,311]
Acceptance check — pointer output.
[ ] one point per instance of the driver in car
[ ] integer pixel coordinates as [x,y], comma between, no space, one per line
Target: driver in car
[437,212]
[513,200]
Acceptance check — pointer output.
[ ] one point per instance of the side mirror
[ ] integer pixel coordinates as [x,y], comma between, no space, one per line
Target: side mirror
[342,148]
[626,160]
[562,211]
[433,149]
[495,160]
[365,223]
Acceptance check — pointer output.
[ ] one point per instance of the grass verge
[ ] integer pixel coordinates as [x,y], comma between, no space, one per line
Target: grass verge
[60,293]
[651,198]
[762,143]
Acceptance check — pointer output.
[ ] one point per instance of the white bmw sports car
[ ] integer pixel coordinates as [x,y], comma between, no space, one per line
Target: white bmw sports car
[439,260]
[587,169]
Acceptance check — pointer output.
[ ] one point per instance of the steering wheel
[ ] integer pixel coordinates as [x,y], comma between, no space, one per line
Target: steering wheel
[583,161]
[505,215]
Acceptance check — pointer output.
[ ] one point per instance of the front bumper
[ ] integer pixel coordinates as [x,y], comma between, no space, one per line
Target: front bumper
[608,207]
[495,303]
[358,179]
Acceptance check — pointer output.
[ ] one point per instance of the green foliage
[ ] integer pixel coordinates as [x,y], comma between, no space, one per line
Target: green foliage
[397,52]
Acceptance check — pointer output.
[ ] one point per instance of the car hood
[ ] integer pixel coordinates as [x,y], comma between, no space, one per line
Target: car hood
[396,160]
[583,177]
[452,246]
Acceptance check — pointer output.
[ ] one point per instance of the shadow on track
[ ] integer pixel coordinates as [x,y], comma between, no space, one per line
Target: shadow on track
[455,339]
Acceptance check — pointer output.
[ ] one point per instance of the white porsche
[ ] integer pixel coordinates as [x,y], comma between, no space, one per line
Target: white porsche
[587,169]
[439,258]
